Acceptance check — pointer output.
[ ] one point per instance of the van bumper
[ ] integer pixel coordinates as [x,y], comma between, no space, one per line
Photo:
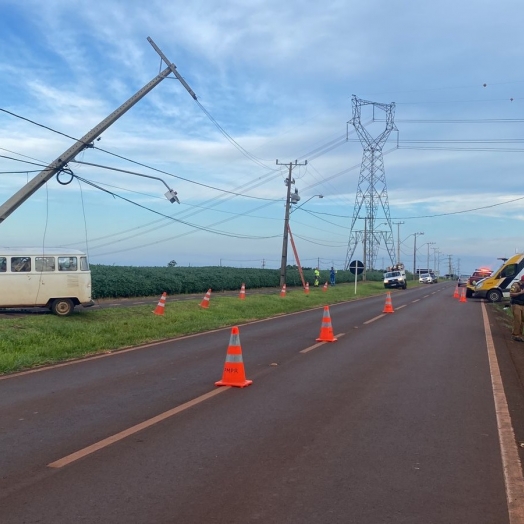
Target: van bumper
[87,304]
[480,294]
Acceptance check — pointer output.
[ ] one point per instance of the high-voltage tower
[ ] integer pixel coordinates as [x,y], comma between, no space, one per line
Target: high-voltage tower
[372,191]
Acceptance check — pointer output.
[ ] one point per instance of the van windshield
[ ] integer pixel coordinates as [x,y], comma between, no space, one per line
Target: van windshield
[393,274]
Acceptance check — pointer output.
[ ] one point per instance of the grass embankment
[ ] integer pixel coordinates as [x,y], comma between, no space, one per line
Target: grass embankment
[31,341]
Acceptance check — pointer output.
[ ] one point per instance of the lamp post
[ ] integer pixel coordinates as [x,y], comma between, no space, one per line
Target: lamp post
[415,253]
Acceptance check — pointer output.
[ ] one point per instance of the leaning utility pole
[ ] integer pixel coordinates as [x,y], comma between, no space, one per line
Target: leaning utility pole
[371,191]
[86,141]
[289,200]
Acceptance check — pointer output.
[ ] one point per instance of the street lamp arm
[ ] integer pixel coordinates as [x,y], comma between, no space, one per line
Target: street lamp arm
[170,195]
[305,202]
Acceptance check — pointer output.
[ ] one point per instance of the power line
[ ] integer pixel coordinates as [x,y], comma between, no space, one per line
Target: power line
[195,226]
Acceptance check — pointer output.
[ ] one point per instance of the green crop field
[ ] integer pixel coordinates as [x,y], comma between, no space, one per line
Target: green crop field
[130,281]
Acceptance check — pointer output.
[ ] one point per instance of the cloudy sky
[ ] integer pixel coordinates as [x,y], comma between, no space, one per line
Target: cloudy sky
[274,81]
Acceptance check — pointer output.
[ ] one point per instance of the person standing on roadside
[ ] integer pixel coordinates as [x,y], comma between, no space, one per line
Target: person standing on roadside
[317,276]
[516,295]
[332,276]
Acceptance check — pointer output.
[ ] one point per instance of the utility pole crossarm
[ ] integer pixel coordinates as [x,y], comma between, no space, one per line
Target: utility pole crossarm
[172,67]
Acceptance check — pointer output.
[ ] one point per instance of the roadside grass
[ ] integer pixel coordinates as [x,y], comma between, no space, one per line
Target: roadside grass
[32,341]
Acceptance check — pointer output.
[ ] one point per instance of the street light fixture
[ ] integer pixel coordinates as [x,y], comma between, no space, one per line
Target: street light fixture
[305,202]
[171,195]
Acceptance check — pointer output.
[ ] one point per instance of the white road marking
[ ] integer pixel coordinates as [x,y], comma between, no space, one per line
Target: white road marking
[132,430]
[315,346]
[375,318]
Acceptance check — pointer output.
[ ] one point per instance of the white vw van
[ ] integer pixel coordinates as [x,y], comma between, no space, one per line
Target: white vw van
[56,278]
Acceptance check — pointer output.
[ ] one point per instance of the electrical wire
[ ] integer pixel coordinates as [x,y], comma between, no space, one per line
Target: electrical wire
[195,226]
[119,156]
[246,153]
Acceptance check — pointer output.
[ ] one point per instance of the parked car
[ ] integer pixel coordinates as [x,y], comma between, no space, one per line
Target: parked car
[425,278]
[463,280]
[434,277]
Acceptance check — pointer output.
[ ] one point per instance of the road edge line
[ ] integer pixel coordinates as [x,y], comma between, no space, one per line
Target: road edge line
[510,458]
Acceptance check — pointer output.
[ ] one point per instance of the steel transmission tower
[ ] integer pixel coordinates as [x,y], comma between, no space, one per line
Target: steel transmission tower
[372,191]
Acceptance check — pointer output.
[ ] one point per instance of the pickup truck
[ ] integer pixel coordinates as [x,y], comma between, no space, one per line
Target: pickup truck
[477,275]
[395,276]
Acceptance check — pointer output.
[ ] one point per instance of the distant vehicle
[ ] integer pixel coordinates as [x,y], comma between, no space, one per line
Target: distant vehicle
[425,278]
[434,277]
[58,279]
[463,280]
[497,285]
[395,276]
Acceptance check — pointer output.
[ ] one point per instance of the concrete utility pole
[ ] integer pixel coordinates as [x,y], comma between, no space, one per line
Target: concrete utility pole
[435,258]
[398,224]
[429,243]
[415,254]
[87,140]
[290,199]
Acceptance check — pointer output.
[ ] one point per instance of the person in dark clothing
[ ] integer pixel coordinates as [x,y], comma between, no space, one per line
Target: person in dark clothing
[332,276]
[516,295]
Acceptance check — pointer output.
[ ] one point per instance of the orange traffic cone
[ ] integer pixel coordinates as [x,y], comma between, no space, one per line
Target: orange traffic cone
[456,293]
[326,331]
[306,289]
[234,374]
[325,287]
[159,310]
[242,295]
[388,306]
[463,296]
[283,291]
[205,300]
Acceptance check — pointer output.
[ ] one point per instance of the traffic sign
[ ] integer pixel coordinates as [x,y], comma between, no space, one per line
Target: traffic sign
[356,267]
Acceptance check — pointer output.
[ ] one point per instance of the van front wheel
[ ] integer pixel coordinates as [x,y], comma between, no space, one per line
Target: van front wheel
[62,307]
[494,295]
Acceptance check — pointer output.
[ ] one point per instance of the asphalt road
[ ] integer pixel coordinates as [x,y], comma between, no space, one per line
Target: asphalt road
[393,423]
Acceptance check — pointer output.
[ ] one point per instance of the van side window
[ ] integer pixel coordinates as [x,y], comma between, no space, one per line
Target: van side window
[45,263]
[67,264]
[509,271]
[20,264]
[3,264]
[84,266]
